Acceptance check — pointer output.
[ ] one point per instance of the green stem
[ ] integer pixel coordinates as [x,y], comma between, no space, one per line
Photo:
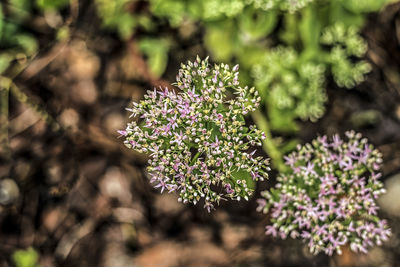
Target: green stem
[195,158]
[268,143]
[4,97]
[35,106]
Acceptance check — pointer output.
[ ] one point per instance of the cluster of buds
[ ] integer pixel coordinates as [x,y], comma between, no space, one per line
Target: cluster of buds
[197,138]
[329,196]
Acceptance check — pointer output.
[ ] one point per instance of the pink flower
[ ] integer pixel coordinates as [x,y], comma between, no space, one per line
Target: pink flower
[337,204]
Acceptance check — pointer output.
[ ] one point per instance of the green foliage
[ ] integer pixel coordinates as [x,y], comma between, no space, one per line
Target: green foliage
[286,48]
[26,258]
[115,15]
[120,16]
[346,43]
[173,10]
[156,51]
[221,40]
[321,36]
[360,6]
[288,61]
[15,41]
[214,9]
[292,87]
[293,81]
[51,4]
[206,10]
[256,24]
[244,175]
[286,5]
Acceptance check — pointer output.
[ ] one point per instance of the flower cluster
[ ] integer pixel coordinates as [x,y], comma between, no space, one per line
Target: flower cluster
[328,199]
[197,139]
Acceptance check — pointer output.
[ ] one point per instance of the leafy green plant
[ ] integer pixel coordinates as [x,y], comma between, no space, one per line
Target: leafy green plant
[115,15]
[19,45]
[290,60]
[287,49]
[15,42]
[291,87]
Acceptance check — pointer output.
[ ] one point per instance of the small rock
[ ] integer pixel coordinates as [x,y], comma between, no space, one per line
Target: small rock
[54,172]
[9,191]
[85,92]
[398,112]
[389,201]
[69,118]
[199,234]
[115,185]
[52,218]
[92,168]
[144,238]
[46,261]
[164,254]
[168,204]
[114,122]
[129,215]
[233,235]
[83,64]
[204,254]
[22,170]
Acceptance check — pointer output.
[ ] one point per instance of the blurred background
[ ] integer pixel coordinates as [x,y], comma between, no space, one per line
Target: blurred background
[72,195]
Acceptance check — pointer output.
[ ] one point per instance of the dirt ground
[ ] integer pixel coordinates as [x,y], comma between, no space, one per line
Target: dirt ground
[85,199]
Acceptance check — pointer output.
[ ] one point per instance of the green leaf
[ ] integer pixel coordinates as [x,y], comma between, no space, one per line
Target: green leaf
[5,60]
[257,24]
[290,31]
[275,194]
[156,51]
[249,55]
[25,258]
[126,24]
[282,120]
[51,4]
[363,6]
[63,33]
[244,175]
[340,14]
[173,10]
[116,16]
[310,28]
[28,43]
[289,146]
[220,40]
[20,10]
[195,9]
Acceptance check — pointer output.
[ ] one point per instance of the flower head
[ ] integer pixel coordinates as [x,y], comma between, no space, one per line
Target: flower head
[329,196]
[197,138]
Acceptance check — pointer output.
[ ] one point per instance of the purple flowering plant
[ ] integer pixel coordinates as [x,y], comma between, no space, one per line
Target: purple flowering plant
[328,197]
[197,139]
